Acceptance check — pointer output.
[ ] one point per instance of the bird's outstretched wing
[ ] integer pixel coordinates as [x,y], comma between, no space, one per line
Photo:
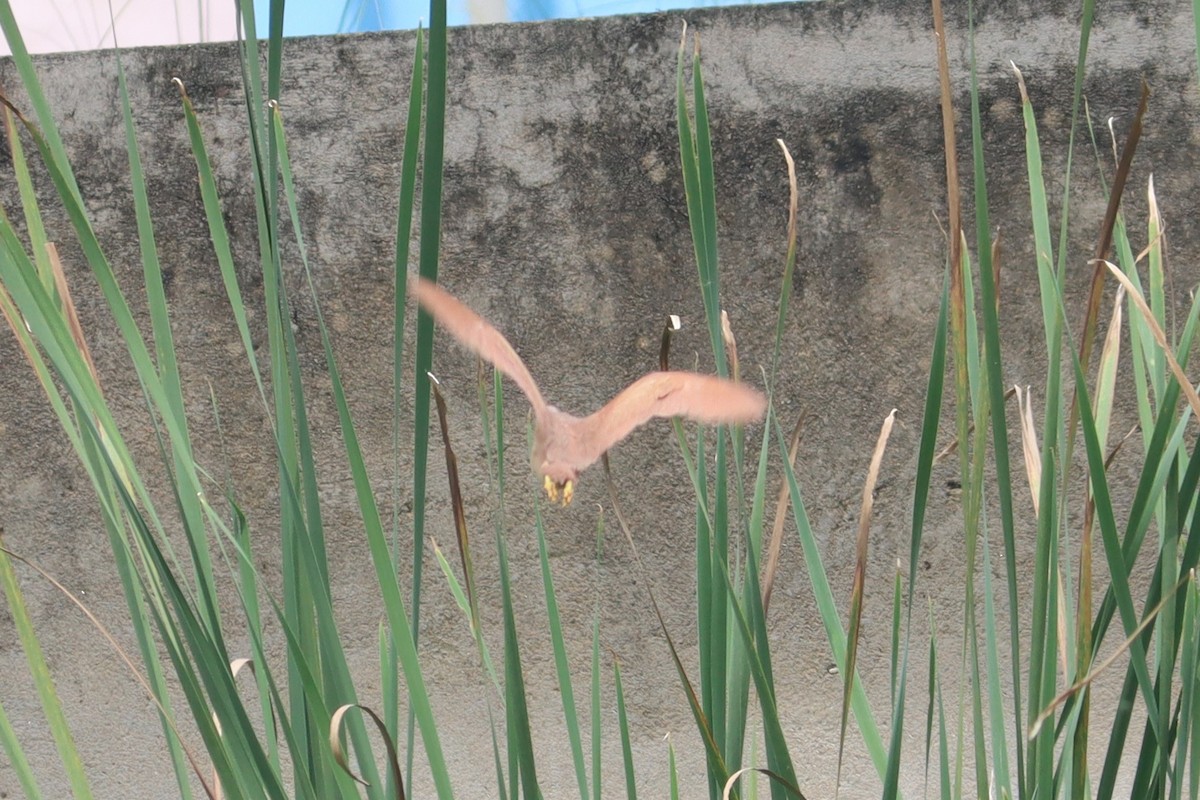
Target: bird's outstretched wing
[477,335]
[704,398]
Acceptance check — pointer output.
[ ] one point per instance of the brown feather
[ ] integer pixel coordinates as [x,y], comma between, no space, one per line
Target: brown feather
[565,445]
[477,335]
[703,398]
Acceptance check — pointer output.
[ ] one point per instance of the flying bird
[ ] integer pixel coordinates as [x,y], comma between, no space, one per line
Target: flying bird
[564,445]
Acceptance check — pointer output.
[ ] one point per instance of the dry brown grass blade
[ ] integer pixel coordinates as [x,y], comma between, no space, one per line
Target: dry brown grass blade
[1154,220]
[1118,190]
[730,346]
[1061,627]
[456,501]
[949,144]
[1160,337]
[68,306]
[781,507]
[860,579]
[664,349]
[17,324]
[1033,473]
[784,498]
[727,792]
[339,754]
[1032,454]
[133,670]
[958,313]
[1087,680]
[1030,448]
[76,328]
[1096,293]
[793,198]
[619,514]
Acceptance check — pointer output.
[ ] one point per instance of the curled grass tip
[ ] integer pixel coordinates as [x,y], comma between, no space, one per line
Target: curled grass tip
[727,791]
[339,753]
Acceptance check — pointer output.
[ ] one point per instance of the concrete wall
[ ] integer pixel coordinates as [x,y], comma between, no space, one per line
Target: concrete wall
[565,223]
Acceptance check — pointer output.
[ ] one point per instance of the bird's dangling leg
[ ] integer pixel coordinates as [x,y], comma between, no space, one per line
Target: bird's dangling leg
[552,487]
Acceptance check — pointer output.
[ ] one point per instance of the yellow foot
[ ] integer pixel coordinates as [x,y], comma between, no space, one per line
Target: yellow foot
[568,490]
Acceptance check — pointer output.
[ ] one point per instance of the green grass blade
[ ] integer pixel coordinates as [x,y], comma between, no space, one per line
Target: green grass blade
[709,271]
[891,782]
[202,668]
[189,502]
[1126,703]
[168,368]
[758,657]
[695,150]
[65,355]
[623,728]
[1117,564]
[307,540]
[35,228]
[1049,518]
[56,720]
[464,605]
[562,664]
[377,539]
[1087,16]
[430,231]
[1001,776]
[120,546]
[944,762]
[502,793]
[1042,242]
[520,737]
[164,343]
[404,217]
[220,236]
[1188,747]
[596,717]
[827,608]
[404,220]
[672,771]
[17,762]
[930,424]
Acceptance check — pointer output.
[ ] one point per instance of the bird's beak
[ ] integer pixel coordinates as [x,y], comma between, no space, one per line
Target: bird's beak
[568,490]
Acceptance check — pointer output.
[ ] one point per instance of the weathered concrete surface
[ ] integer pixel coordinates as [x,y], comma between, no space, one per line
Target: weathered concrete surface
[565,224]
